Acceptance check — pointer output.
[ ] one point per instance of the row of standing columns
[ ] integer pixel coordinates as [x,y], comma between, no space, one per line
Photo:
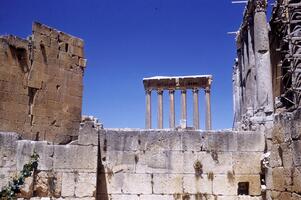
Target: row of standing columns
[196,118]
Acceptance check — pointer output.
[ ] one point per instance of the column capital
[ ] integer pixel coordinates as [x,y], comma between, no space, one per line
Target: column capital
[260,5]
[183,91]
[160,91]
[195,90]
[171,91]
[207,89]
[148,91]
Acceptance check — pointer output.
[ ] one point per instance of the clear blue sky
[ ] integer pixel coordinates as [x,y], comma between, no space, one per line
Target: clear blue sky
[126,40]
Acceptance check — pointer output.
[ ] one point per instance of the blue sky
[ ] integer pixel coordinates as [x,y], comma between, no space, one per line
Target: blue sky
[126,40]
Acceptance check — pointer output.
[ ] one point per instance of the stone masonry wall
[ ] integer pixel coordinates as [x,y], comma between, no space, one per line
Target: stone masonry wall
[175,165]
[111,164]
[284,168]
[64,171]
[41,85]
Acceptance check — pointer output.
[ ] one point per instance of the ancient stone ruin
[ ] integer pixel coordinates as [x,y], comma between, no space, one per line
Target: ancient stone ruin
[260,158]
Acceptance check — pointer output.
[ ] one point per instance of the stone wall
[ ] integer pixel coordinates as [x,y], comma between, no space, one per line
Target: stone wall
[179,164]
[284,168]
[130,164]
[41,84]
[64,171]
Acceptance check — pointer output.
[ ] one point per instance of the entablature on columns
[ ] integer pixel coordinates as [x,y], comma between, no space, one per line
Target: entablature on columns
[177,82]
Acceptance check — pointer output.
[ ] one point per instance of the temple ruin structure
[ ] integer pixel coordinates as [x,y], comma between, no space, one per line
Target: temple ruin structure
[259,159]
[182,83]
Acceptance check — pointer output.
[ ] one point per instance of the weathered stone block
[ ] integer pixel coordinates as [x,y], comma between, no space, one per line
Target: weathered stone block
[25,149]
[250,141]
[167,183]
[151,161]
[75,157]
[224,186]
[297,152]
[275,159]
[282,179]
[296,180]
[85,185]
[88,134]
[194,184]
[222,141]
[242,164]
[116,161]
[68,184]
[121,140]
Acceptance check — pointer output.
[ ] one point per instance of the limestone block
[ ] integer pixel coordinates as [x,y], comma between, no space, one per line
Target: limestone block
[157,197]
[75,157]
[297,152]
[68,184]
[88,135]
[77,51]
[175,161]
[26,190]
[160,140]
[120,161]
[287,155]
[282,179]
[212,162]
[167,183]
[127,183]
[5,175]
[25,149]
[296,180]
[85,185]
[193,184]
[121,140]
[222,141]
[251,141]
[247,162]
[122,197]
[8,149]
[275,159]
[224,186]
[296,196]
[194,141]
[152,161]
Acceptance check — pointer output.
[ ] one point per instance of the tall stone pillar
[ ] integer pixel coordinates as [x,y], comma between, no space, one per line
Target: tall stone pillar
[148,117]
[208,109]
[196,119]
[183,109]
[171,108]
[160,109]
[262,58]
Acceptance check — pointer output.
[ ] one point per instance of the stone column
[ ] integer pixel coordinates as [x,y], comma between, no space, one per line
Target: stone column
[183,109]
[148,115]
[171,108]
[262,58]
[196,119]
[160,109]
[208,108]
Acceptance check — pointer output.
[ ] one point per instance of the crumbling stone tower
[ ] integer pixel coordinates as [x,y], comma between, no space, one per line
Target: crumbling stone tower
[41,84]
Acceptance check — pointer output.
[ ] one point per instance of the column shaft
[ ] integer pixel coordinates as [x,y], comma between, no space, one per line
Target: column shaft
[172,109]
[262,59]
[208,109]
[160,109]
[183,109]
[148,114]
[196,120]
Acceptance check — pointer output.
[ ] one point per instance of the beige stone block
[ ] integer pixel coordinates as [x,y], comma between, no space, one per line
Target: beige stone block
[247,162]
[296,196]
[224,186]
[85,185]
[297,180]
[152,161]
[157,197]
[282,179]
[68,184]
[123,161]
[123,197]
[122,183]
[167,183]
[275,160]
[193,184]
